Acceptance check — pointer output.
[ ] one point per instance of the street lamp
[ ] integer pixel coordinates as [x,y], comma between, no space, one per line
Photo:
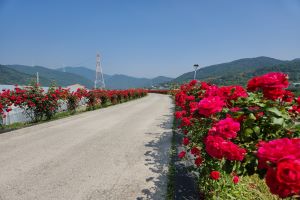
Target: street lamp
[195,67]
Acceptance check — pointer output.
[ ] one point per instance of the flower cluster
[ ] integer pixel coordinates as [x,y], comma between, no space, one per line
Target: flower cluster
[281,158]
[39,104]
[224,126]
[273,85]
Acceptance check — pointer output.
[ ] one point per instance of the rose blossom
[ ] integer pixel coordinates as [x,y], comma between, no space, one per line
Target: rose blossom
[181,154]
[210,105]
[185,141]
[235,179]
[215,175]
[227,128]
[218,148]
[198,161]
[277,149]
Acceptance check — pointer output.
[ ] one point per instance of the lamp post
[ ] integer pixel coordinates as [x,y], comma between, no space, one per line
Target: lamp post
[195,67]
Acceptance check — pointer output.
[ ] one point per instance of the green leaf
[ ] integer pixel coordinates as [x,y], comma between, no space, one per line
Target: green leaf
[275,111]
[277,121]
[278,113]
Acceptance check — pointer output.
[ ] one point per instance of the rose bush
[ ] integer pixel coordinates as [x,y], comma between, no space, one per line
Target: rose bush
[238,132]
[38,104]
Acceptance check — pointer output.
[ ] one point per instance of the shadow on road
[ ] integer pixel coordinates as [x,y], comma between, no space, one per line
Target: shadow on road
[157,160]
[185,185]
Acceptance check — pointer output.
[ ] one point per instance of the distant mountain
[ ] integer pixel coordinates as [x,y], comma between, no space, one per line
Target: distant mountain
[229,69]
[82,71]
[160,79]
[23,75]
[233,73]
[296,59]
[117,81]
[48,75]
[11,77]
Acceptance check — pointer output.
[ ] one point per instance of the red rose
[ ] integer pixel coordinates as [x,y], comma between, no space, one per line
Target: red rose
[195,151]
[212,90]
[274,80]
[233,92]
[275,150]
[282,190]
[198,161]
[288,96]
[204,85]
[193,82]
[181,154]
[288,172]
[193,107]
[210,105]
[235,109]
[235,179]
[180,114]
[185,141]
[185,121]
[215,175]
[273,94]
[227,128]
[217,147]
[253,84]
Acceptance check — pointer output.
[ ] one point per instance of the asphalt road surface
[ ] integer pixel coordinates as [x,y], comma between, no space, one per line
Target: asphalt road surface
[119,152]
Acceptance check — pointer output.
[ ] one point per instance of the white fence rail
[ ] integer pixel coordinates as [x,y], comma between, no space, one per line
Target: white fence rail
[17,114]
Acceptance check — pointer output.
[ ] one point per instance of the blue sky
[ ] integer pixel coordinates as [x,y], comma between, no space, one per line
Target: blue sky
[146,38]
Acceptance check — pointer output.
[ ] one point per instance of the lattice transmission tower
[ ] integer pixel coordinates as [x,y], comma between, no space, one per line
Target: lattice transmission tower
[99,81]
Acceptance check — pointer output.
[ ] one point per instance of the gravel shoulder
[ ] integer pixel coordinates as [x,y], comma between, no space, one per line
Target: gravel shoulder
[119,152]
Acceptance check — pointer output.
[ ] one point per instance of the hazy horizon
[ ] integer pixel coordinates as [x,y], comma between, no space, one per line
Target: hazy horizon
[147,38]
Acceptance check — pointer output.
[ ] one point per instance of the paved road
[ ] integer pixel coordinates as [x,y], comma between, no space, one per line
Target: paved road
[120,152]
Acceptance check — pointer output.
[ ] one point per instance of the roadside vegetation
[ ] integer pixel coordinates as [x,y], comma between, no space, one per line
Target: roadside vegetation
[243,143]
[40,106]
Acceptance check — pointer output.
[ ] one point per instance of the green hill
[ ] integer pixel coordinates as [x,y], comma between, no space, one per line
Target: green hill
[10,76]
[117,81]
[240,71]
[229,69]
[82,71]
[46,76]
[292,68]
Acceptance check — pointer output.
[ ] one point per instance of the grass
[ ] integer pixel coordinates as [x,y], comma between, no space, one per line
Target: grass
[248,188]
[171,171]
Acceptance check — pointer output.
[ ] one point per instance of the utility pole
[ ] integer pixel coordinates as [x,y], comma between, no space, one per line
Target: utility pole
[99,80]
[195,72]
[37,78]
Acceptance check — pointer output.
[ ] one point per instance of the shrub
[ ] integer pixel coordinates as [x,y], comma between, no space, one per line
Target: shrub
[229,130]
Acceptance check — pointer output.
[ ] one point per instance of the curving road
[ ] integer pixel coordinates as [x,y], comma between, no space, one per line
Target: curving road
[119,152]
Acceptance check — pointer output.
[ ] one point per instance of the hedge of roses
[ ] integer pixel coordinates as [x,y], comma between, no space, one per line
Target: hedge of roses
[38,104]
[159,91]
[233,131]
